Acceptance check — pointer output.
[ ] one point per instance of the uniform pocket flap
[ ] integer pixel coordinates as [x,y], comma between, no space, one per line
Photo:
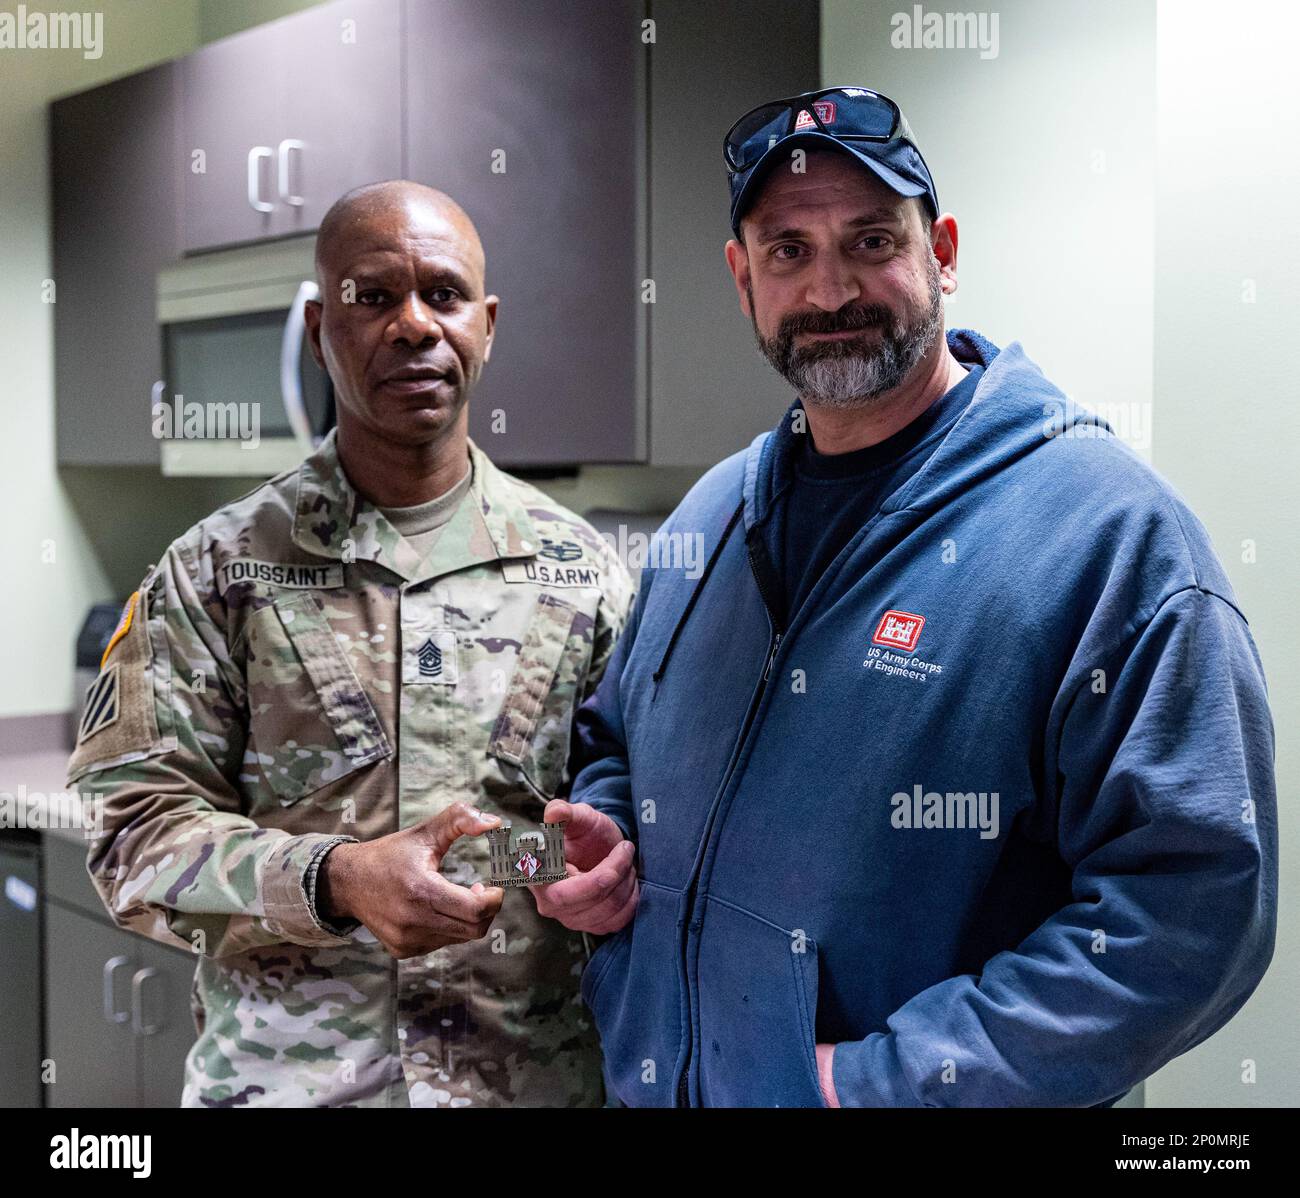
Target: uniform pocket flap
[343,700]
[311,721]
[540,655]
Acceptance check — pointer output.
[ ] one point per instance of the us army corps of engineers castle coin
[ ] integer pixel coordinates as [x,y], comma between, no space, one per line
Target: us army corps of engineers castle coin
[536,857]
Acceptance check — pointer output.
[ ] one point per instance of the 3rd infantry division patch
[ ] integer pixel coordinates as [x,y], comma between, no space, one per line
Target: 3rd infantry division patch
[101,704]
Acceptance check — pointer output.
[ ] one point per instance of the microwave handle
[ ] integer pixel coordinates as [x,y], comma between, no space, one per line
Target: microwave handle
[291,367]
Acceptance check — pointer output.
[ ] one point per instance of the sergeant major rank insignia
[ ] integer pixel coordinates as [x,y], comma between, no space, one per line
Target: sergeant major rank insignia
[430,657]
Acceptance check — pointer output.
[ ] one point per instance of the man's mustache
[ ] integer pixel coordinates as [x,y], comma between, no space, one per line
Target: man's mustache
[844,320]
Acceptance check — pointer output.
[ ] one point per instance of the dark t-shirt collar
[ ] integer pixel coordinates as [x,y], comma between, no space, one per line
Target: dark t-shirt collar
[859,462]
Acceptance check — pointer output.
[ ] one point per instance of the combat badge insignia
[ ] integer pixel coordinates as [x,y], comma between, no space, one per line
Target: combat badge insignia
[561,551]
[535,857]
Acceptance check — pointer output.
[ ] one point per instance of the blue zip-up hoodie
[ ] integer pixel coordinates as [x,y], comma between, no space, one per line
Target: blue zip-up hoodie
[995,814]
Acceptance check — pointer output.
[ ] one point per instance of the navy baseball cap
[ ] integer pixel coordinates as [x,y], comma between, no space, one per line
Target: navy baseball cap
[854,120]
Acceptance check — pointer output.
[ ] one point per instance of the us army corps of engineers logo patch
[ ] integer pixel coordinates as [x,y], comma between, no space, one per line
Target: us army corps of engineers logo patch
[892,651]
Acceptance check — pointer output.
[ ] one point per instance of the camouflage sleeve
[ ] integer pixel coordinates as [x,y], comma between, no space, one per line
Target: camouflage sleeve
[159,752]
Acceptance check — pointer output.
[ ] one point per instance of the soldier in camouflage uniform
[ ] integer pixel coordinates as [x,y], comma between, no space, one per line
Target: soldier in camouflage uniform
[295,682]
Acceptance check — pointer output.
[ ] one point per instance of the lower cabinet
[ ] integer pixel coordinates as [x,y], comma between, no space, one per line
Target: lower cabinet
[117,1015]
[168,1026]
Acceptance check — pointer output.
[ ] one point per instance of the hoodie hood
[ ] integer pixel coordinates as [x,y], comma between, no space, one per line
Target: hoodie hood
[987,436]
[1015,410]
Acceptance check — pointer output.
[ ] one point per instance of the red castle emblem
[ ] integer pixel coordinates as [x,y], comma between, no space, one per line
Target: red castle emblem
[899,630]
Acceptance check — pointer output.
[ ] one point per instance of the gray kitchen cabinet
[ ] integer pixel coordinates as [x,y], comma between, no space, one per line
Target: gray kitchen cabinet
[117,1019]
[88,967]
[583,139]
[21,1045]
[164,1024]
[619,335]
[527,113]
[114,202]
[711,392]
[229,112]
[280,120]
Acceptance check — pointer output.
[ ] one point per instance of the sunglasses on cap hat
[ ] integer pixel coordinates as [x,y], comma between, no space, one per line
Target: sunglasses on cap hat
[848,114]
[857,120]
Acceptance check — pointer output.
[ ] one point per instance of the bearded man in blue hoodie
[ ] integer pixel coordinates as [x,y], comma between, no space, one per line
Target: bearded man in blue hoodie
[950,781]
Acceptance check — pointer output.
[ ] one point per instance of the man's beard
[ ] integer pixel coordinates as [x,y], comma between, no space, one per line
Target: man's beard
[850,373]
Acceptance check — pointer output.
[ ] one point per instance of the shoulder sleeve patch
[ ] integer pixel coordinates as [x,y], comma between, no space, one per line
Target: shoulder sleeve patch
[119,722]
[123,627]
[101,704]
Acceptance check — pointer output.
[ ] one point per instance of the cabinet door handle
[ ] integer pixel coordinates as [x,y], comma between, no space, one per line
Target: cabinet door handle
[111,1013]
[287,147]
[255,156]
[138,1025]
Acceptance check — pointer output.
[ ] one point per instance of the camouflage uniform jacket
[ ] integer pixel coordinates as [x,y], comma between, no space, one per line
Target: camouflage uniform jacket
[291,675]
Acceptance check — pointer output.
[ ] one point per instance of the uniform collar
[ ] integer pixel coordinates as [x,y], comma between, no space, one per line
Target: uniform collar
[332,520]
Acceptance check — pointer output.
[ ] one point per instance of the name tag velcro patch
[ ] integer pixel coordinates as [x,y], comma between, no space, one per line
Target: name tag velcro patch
[278,574]
[552,574]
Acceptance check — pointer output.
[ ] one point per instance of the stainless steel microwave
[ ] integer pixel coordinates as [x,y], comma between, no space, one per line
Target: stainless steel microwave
[233,334]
